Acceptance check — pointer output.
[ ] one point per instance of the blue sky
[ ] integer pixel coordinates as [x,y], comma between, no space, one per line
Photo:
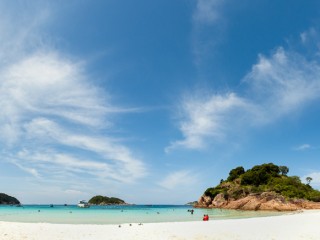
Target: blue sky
[154,101]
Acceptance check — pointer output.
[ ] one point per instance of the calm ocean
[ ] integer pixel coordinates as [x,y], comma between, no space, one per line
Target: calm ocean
[71,214]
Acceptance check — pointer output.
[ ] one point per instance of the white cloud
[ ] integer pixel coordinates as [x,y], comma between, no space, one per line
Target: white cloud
[122,165]
[49,100]
[309,36]
[277,86]
[208,16]
[205,117]
[181,178]
[207,11]
[53,118]
[32,171]
[49,85]
[20,28]
[302,147]
[282,83]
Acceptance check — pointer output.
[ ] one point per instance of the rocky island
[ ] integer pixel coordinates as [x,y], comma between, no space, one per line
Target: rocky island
[103,200]
[8,200]
[263,187]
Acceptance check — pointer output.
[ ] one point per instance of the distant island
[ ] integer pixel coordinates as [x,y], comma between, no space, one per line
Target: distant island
[263,187]
[192,203]
[103,200]
[8,200]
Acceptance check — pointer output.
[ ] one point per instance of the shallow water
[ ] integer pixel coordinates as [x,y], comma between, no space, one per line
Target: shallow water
[118,214]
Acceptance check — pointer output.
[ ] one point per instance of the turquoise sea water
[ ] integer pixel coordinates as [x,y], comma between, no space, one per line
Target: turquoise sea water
[117,214]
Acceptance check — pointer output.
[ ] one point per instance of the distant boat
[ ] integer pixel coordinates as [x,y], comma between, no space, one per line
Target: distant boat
[51,205]
[83,204]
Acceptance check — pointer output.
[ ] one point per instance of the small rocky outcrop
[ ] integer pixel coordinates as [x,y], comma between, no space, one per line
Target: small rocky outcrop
[103,200]
[8,200]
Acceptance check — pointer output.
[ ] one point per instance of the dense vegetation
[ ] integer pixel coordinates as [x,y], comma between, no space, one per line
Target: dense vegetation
[102,200]
[264,178]
[6,199]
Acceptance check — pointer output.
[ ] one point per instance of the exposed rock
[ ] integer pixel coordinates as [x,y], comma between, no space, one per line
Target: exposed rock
[306,204]
[204,201]
[226,185]
[265,201]
[218,201]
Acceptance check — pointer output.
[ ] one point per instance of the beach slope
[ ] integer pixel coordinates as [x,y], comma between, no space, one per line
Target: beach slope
[292,226]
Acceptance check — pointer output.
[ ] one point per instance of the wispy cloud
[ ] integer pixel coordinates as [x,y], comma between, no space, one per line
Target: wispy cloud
[207,11]
[308,36]
[283,83]
[29,170]
[54,119]
[276,86]
[21,34]
[207,17]
[302,147]
[181,178]
[205,117]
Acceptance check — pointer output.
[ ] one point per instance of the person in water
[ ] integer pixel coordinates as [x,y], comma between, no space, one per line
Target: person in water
[191,210]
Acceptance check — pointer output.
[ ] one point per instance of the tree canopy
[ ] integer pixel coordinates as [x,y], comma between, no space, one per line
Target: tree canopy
[235,173]
[264,178]
[103,200]
[284,170]
[6,199]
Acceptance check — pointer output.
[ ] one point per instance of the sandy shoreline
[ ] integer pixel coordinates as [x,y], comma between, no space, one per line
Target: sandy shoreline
[303,225]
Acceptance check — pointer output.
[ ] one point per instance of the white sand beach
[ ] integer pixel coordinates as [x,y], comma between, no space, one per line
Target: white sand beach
[303,225]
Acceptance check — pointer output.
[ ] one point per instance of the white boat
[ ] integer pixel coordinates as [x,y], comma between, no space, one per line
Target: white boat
[83,204]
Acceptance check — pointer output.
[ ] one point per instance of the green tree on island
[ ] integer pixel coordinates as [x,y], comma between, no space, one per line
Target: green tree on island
[309,179]
[235,173]
[284,170]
